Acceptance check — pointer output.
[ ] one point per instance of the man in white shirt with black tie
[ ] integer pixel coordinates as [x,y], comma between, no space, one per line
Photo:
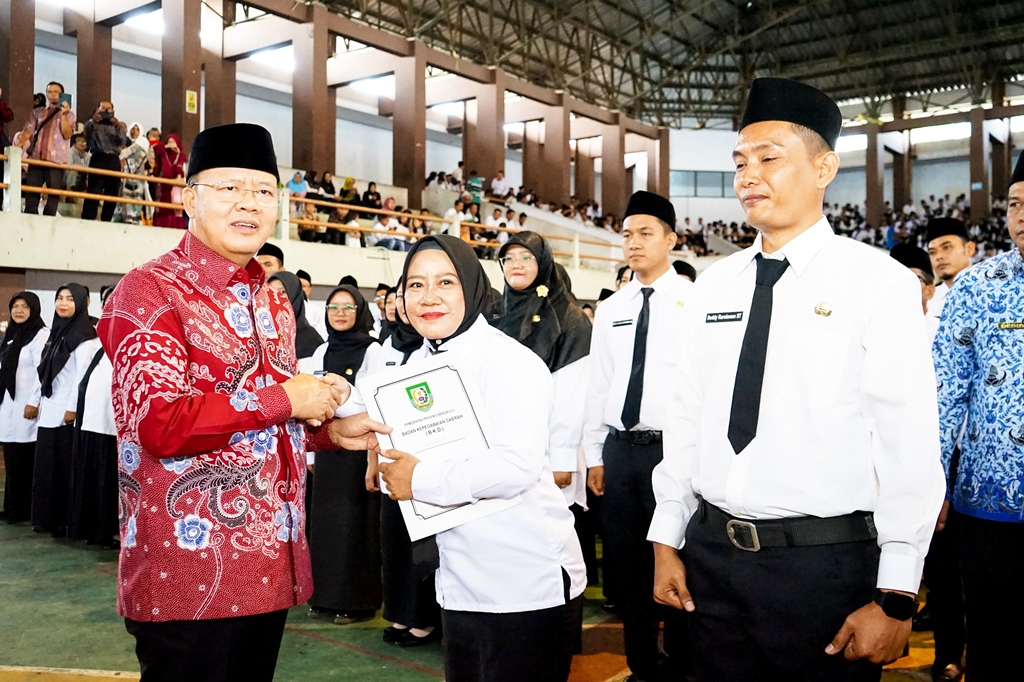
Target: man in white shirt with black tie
[632,353]
[801,476]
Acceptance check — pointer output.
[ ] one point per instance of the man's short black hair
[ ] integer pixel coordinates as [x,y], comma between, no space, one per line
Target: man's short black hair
[57,84]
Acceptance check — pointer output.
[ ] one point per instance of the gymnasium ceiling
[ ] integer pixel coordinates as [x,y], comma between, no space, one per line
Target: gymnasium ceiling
[688,62]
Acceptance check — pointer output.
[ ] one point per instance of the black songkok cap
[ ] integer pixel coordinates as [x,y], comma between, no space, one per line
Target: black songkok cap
[648,203]
[1018,171]
[941,227]
[350,280]
[781,99]
[912,257]
[685,269]
[302,274]
[381,285]
[269,249]
[605,294]
[235,145]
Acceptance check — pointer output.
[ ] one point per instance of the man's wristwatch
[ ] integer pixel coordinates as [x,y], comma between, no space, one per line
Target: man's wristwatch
[895,605]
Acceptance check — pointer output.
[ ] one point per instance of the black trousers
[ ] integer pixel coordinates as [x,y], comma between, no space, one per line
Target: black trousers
[51,478]
[586,532]
[992,560]
[19,461]
[409,595]
[221,650]
[102,184]
[945,593]
[768,615]
[626,512]
[534,646]
[38,176]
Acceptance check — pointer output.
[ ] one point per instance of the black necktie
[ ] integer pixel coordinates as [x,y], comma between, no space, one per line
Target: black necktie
[635,389]
[746,393]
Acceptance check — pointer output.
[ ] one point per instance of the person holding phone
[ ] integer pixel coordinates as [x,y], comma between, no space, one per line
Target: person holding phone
[48,134]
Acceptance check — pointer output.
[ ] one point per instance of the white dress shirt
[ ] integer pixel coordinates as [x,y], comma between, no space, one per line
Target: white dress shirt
[510,561]
[99,405]
[14,428]
[848,419]
[64,397]
[568,411]
[611,358]
[938,300]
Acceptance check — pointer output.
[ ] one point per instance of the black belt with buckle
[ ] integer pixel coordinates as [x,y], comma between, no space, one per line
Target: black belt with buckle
[801,531]
[637,437]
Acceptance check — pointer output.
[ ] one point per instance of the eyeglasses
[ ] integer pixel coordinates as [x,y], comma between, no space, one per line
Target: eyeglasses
[228,193]
[512,260]
[347,307]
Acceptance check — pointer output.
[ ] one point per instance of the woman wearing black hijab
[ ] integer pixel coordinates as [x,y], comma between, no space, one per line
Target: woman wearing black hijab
[409,601]
[344,541]
[307,339]
[21,350]
[66,357]
[387,320]
[538,310]
[93,514]
[510,584]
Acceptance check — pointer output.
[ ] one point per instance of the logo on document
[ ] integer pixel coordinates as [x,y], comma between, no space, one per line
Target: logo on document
[420,396]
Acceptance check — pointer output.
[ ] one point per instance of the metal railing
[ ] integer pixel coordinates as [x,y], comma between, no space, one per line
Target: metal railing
[15,189]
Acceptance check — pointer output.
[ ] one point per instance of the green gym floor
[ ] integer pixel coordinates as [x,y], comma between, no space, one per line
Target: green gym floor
[58,623]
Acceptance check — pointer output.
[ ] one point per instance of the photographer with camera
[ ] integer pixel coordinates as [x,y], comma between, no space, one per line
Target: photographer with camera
[106,137]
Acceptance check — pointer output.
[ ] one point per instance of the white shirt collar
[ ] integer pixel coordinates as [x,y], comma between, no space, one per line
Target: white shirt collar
[662,285]
[800,251]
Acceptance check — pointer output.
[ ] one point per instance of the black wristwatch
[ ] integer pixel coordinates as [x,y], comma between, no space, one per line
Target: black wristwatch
[895,605]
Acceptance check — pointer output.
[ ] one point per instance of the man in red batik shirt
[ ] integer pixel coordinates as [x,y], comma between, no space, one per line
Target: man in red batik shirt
[212,449]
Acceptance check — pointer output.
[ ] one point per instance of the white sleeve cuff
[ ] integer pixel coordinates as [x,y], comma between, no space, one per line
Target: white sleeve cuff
[429,482]
[900,572]
[310,457]
[354,405]
[563,459]
[594,456]
[668,527]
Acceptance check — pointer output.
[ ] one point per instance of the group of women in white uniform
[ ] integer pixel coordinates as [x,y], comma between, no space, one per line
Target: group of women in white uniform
[56,420]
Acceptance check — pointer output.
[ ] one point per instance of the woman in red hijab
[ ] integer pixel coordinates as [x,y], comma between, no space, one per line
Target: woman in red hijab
[169,162]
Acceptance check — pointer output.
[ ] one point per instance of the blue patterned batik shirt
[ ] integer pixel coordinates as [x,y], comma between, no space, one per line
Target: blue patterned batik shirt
[979,365]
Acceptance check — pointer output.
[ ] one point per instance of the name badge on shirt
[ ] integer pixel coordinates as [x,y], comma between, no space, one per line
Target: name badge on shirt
[724,317]
[622,323]
[389,364]
[1011,325]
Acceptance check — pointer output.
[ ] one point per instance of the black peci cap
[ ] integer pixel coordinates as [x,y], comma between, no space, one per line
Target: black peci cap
[781,99]
[235,145]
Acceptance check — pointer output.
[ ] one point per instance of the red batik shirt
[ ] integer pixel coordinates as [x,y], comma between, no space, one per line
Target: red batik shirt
[211,468]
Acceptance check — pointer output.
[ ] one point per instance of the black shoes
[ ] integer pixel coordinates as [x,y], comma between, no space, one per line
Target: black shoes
[405,639]
[951,673]
[612,610]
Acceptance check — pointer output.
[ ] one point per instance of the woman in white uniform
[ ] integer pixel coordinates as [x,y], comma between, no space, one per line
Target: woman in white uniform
[344,528]
[538,309]
[20,353]
[66,356]
[510,584]
[94,492]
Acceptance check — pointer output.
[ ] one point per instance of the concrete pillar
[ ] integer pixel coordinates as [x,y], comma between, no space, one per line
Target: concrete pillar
[585,150]
[409,145]
[533,161]
[874,170]
[17,58]
[998,131]
[556,155]
[981,149]
[898,144]
[614,190]
[219,74]
[95,55]
[181,69]
[313,111]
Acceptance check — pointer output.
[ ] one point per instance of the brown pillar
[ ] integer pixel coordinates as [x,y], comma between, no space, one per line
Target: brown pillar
[181,69]
[874,169]
[17,58]
[902,180]
[657,163]
[557,156]
[585,149]
[614,191]
[409,145]
[219,75]
[533,162]
[998,92]
[999,138]
[980,151]
[95,55]
[313,113]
